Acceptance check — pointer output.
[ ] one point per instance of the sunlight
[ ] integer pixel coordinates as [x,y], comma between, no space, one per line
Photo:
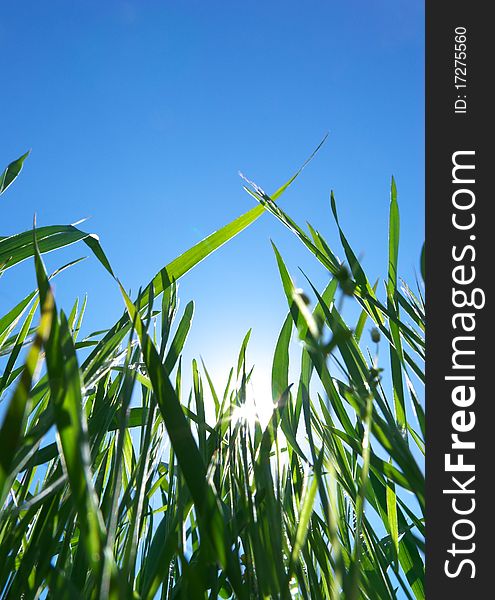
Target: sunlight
[246,413]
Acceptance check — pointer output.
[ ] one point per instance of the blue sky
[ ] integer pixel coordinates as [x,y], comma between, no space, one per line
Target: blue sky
[141,114]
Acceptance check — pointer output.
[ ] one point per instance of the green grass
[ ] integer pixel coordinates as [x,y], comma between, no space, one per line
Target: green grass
[114,483]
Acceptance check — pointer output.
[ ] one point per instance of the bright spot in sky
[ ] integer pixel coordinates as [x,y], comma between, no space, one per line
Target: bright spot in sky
[246,413]
[258,405]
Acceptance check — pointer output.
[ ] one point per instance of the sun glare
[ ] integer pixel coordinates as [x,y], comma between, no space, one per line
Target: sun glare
[246,414]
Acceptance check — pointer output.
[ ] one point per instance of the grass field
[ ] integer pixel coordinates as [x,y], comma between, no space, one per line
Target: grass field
[115,484]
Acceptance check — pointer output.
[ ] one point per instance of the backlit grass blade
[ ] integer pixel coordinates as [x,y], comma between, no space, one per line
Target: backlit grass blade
[396,357]
[17,411]
[280,366]
[303,523]
[179,338]
[16,347]
[11,172]
[65,384]
[305,322]
[10,320]
[19,247]
[392,519]
[241,359]
[363,317]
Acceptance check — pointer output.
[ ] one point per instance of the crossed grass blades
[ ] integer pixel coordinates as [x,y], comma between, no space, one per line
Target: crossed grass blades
[113,484]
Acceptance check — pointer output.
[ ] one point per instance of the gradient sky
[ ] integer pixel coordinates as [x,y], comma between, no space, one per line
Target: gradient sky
[141,114]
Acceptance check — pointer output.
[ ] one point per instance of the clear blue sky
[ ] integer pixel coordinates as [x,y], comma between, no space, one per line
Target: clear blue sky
[140,114]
